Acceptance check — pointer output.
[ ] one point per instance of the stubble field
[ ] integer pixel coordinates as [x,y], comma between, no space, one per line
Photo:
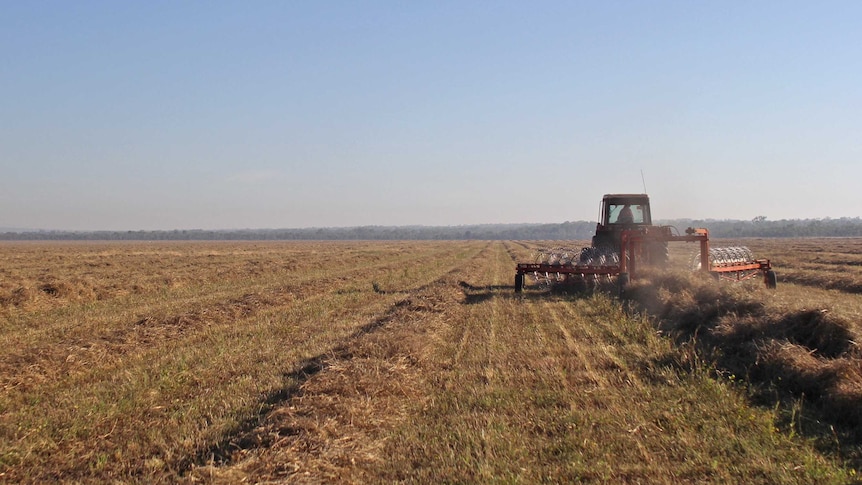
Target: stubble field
[362,362]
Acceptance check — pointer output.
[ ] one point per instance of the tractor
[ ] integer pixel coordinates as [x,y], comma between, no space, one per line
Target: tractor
[626,212]
[626,239]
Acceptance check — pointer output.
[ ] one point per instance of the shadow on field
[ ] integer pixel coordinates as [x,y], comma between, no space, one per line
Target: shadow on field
[806,363]
[478,294]
[246,437]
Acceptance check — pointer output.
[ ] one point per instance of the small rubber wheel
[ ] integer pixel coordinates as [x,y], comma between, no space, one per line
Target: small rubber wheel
[770,279]
[623,281]
[519,282]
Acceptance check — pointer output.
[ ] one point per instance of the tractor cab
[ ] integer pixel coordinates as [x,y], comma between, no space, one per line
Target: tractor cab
[621,212]
[625,209]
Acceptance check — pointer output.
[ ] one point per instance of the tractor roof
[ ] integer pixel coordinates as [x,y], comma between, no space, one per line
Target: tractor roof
[625,196]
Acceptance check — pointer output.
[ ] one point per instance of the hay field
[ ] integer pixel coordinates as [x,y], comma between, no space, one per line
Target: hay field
[367,362]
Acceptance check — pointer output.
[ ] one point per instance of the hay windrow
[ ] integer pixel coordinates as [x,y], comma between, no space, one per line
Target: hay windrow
[801,353]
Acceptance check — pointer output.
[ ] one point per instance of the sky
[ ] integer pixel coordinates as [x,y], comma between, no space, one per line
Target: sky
[148,115]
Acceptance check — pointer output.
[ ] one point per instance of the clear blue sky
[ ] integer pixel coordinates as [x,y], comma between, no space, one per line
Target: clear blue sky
[182,115]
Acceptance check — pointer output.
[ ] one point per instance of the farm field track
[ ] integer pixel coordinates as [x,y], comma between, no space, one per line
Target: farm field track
[358,362]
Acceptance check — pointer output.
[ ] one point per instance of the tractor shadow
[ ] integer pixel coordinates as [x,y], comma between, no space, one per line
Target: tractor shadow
[479,294]
[247,436]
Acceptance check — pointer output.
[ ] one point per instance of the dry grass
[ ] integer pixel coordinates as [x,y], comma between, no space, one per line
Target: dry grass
[369,362]
[823,263]
[138,384]
[798,348]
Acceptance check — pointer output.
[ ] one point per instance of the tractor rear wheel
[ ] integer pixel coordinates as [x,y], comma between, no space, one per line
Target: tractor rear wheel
[658,253]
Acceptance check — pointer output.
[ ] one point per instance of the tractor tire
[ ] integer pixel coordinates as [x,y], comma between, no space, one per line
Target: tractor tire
[658,254]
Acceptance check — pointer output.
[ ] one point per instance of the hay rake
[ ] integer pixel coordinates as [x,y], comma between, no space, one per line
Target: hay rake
[625,239]
[558,265]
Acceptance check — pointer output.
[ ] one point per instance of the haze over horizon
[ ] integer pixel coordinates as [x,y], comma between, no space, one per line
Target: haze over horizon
[221,115]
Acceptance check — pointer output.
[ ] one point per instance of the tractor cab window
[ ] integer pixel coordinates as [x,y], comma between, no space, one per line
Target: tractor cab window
[625,214]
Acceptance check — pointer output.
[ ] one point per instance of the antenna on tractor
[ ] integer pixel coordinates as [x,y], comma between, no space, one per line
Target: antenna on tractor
[643,180]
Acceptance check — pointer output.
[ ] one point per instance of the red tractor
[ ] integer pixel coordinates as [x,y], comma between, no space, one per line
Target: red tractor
[626,239]
[626,212]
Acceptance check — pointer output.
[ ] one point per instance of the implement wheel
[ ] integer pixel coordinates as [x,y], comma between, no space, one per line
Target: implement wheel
[770,279]
[519,282]
[623,282]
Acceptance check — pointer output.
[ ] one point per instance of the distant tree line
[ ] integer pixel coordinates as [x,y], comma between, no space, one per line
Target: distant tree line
[565,230]
[759,227]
